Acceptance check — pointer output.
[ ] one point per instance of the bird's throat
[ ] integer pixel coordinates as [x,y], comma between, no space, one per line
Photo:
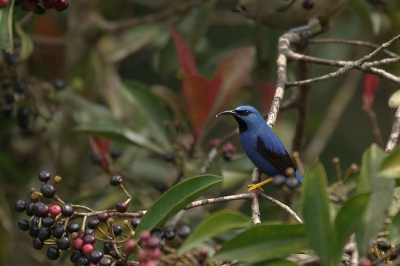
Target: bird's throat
[242,124]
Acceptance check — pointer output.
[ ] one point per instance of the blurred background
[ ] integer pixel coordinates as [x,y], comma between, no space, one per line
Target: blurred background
[97,91]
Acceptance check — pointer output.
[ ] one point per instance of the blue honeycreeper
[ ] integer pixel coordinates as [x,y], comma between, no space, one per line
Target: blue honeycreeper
[261,144]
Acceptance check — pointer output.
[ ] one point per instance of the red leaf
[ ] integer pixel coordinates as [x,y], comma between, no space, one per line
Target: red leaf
[185,56]
[371,84]
[199,95]
[100,146]
[233,69]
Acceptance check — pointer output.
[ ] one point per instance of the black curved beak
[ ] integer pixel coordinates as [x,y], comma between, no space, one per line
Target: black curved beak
[229,112]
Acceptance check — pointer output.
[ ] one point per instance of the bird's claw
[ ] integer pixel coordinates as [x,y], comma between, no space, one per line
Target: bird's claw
[254,187]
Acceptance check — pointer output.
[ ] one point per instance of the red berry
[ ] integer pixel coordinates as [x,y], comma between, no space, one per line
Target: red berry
[153,242]
[142,256]
[214,142]
[144,235]
[151,263]
[3,3]
[203,252]
[55,210]
[87,249]
[154,253]
[129,246]
[49,3]
[365,262]
[78,243]
[121,207]
[61,5]
[229,147]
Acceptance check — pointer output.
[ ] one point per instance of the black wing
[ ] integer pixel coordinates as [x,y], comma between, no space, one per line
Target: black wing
[279,160]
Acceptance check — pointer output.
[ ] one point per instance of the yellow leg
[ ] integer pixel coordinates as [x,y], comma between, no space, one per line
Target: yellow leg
[258,185]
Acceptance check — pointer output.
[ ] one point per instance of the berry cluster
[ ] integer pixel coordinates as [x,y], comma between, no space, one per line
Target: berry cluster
[380,250]
[57,226]
[38,6]
[18,95]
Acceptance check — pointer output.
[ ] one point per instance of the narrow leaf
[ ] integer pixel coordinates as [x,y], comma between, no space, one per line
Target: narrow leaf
[316,213]
[263,242]
[26,43]
[394,229]
[186,60]
[214,225]
[175,200]
[151,108]
[233,69]
[6,27]
[120,133]
[380,200]
[197,100]
[276,262]
[390,167]
[348,218]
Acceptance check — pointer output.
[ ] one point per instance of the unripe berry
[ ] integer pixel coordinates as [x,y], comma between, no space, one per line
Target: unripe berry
[87,249]
[129,246]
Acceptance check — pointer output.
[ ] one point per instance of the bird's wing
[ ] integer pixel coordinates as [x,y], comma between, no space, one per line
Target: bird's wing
[281,161]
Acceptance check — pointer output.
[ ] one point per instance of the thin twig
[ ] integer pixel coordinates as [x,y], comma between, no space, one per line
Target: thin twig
[283,206]
[394,134]
[375,128]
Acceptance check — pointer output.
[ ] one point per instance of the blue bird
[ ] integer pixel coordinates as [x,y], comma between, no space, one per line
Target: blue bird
[262,145]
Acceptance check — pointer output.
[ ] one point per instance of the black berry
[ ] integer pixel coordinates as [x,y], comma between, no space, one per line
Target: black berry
[75,256]
[116,180]
[19,87]
[114,154]
[96,159]
[169,156]
[292,183]
[93,223]
[63,243]
[7,109]
[157,233]
[105,261]
[279,180]
[58,84]
[121,207]
[33,230]
[53,253]
[227,155]
[37,243]
[40,209]
[169,234]
[67,210]
[57,230]
[48,191]
[88,231]
[43,233]
[23,224]
[383,246]
[47,221]
[29,209]
[44,176]
[20,205]
[135,222]
[117,229]
[96,255]
[184,231]
[160,186]
[103,217]
[89,239]
[72,227]
[40,10]
[9,97]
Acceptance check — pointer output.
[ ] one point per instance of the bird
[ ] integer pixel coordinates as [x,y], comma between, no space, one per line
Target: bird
[290,14]
[263,147]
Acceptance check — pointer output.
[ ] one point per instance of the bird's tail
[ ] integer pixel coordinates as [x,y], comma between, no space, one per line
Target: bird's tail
[298,176]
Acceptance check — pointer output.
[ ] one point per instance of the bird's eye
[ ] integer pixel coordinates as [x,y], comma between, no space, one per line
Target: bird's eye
[243,112]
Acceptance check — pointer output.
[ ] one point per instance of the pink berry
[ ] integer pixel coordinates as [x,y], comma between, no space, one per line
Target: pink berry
[3,3]
[154,253]
[142,256]
[129,246]
[144,235]
[153,242]
[87,249]
[365,262]
[55,210]
[151,263]
[78,243]
[203,252]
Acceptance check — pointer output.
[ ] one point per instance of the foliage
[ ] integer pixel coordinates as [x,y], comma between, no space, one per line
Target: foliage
[144,82]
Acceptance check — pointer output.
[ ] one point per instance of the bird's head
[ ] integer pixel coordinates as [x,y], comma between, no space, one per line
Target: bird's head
[247,117]
[247,8]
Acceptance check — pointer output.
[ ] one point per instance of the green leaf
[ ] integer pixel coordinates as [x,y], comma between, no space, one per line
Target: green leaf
[175,200]
[120,133]
[26,43]
[394,229]
[348,218]
[214,225]
[380,200]
[316,213]
[390,167]
[276,262]
[363,10]
[6,27]
[96,119]
[263,242]
[150,108]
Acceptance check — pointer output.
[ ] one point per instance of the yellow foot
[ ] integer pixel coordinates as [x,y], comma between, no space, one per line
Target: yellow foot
[258,185]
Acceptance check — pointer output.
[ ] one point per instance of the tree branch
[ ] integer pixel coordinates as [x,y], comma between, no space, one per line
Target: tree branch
[394,134]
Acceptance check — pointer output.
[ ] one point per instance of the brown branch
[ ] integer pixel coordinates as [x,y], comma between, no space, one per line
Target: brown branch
[375,128]
[352,42]
[394,134]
